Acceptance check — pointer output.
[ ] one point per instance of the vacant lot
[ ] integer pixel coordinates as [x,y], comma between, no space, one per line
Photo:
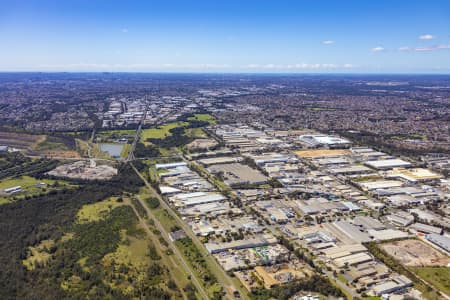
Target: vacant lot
[322,153]
[415,253]
[20,140]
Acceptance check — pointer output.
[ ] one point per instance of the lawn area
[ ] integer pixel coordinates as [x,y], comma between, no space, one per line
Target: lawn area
[160,132]
[195,132]
[203,117]
[98,211]
[439,277]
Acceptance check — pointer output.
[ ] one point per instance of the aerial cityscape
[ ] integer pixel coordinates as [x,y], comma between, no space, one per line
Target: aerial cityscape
[219,180]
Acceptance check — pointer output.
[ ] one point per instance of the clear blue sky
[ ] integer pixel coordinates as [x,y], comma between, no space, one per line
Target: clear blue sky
[308,36]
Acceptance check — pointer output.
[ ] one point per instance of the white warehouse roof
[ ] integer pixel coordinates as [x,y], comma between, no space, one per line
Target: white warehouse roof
[387,163]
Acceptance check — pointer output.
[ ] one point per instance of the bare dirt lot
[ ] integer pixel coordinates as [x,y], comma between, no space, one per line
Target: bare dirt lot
[61,154]
[322,153]
[415,253]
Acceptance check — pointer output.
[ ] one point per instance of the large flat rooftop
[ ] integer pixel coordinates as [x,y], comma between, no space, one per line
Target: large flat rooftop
[237,173]
[416,174]
[388,163]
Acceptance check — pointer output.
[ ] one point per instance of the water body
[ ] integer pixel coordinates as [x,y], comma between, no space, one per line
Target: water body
[113,150]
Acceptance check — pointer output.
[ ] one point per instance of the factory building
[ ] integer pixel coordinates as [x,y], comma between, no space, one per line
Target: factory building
[440,240]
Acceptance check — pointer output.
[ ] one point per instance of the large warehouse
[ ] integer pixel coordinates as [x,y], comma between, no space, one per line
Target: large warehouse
[386,164]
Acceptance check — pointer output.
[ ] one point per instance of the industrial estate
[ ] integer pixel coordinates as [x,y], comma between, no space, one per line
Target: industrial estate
[206,194]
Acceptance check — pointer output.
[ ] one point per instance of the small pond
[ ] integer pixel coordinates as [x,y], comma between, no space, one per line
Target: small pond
[113,150]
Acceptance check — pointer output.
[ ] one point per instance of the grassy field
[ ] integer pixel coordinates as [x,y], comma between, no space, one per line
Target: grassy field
[38,255]
[439,277]
[24,181]
[28,185]
[112,135]
[203,117]
[132,253]
[125,150]
[167,222]
[164,218]
[199,265]
[4,201]
[82,147]
[127,266]
[49,144]
[160,132]
[195,132]
[165,152]
[98,211]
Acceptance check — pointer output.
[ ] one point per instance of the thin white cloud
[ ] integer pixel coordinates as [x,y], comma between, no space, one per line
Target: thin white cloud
[328,42]
[124,30]
[378,49]
[426,37]
[299,66]
[405,48]
[425,49]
